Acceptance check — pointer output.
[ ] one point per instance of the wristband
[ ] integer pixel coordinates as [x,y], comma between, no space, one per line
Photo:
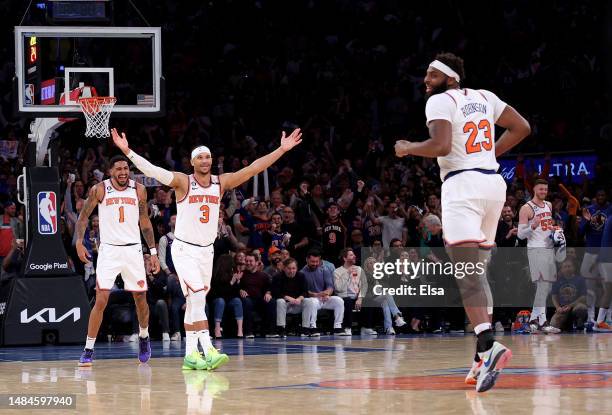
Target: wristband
[152,251]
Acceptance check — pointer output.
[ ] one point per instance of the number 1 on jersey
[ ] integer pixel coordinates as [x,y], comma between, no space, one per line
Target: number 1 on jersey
[471,146]
[121,214]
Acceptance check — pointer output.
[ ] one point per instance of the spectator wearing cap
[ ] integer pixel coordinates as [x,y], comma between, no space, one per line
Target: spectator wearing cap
[351,285]
[290,290]
[334,234]
[276,261]
[320,283]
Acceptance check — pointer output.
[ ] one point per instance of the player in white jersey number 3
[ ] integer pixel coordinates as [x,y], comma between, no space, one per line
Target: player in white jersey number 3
[197,198]
[122,205]
[461,126]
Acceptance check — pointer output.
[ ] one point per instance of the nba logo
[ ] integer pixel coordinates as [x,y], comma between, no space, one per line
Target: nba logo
[29,94]
[47,213]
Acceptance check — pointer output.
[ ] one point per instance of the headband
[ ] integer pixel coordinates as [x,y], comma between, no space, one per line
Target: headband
[445,69]
[199,150]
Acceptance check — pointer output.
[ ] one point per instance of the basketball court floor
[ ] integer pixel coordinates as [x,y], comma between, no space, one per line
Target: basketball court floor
[569,373]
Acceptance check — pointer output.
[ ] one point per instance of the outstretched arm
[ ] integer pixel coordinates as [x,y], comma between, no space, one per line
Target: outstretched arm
[93,198]
[176,180]
[231,180]
[146,227]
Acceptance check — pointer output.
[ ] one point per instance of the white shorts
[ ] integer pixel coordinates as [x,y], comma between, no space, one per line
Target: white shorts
[194,266]
[125,260]
[542,264]
[605,270]
[471,207]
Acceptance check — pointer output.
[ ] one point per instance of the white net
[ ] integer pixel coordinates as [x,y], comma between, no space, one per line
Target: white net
[97,112]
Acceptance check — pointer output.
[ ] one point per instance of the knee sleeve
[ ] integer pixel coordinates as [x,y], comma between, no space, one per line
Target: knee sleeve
[188,319]
[198,306]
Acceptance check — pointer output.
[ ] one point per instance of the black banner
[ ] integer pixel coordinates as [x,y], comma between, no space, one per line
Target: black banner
[40,310]
[45,254]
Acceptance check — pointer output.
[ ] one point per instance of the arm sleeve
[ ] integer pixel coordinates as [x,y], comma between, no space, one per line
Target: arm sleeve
[440,107]
[498,105]
[161,175]
[524,231]
[161,253]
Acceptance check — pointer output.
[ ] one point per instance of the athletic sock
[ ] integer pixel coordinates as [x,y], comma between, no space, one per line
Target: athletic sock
[144,333]
[204,338]
[601,317]
[89,342]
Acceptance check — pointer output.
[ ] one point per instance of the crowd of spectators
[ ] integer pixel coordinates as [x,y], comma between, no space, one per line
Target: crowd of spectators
[350,75]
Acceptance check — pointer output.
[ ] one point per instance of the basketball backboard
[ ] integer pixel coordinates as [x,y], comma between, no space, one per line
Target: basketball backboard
[51,61]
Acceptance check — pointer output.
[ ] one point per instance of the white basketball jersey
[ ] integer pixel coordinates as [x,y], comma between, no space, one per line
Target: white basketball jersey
[541,236]
[473,114]
[119,215]
[197,214]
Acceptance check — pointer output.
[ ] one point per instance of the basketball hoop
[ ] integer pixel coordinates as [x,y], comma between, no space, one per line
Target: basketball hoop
[97,112]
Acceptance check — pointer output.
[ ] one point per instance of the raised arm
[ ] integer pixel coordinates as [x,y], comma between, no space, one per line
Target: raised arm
[146,227]
[93,198]
[176,180]
[232,180]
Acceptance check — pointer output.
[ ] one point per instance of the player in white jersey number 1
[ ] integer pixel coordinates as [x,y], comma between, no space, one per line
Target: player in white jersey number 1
[197,198]
[461,126]
[122,206]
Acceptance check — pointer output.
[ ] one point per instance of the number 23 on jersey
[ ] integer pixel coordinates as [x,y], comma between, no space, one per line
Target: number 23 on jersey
[473,146]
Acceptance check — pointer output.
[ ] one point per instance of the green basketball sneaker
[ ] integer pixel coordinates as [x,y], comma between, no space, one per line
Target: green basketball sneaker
[194,361]
[214,359]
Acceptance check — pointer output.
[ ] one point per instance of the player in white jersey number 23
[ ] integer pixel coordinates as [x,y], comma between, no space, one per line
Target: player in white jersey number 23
[198,196]
[461,126]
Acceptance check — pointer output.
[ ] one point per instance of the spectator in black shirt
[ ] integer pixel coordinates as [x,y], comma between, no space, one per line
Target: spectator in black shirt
[298,242]
[291,292]
[334,235]
[225,289]
[507,228]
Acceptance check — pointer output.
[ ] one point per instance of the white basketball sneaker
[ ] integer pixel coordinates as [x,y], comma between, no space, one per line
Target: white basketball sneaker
[493,361]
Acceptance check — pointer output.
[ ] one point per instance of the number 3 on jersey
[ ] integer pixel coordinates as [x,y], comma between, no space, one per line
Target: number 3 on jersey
[471,146]
[205,213]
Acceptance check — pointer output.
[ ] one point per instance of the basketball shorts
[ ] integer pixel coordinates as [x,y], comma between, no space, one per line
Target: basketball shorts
[471,206]
[125,260]
[542,264]
[605,270]
[194,265]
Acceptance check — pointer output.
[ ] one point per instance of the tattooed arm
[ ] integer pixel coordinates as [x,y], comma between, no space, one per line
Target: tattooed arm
[146,227]
[93,198]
